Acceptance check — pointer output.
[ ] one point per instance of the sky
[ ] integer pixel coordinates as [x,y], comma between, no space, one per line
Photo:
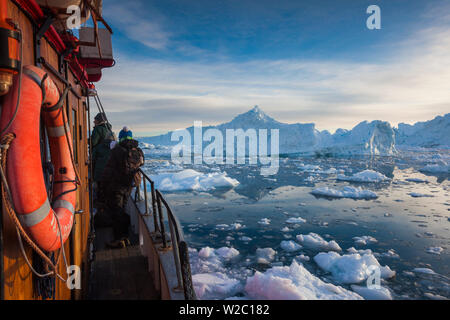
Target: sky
[180,61]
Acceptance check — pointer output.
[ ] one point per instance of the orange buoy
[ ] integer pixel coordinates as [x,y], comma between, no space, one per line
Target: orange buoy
[42,220]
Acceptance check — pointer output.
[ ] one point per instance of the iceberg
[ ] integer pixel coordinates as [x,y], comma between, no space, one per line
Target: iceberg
[209,277]
[264,221]
[437,168]
[351,268]
[290,246]
[367,138]
[265,255]
[372,293]
[215,285]
[435,250]
[364,240]
[192,180]
[428,134]
[347,192]
[295,220]
[294,282]
[316,242]
[364,176]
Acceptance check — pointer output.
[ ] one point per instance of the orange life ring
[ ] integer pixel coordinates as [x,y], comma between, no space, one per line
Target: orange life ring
[24,167]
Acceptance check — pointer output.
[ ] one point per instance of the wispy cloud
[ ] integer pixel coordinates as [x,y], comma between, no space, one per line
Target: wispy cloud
[138,23]
[411,84]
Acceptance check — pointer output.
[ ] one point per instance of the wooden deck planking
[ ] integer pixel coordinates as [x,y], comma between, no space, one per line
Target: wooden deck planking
[120,274]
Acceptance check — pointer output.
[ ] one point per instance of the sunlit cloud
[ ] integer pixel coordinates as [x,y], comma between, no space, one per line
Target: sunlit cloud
[409,85]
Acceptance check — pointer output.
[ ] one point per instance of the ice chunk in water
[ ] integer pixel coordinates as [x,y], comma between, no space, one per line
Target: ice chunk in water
[293,282]
[364,176]
[316,242]
[351,268]
[346,192]
[290,246]
[265,255]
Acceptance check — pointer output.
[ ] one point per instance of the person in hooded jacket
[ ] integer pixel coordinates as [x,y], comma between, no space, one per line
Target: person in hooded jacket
[101,138]
[125,133]
[119,176]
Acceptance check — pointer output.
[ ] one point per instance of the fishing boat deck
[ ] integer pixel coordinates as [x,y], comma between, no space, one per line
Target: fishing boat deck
[120,274]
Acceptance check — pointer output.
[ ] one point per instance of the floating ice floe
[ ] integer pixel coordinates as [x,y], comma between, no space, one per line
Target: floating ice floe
[192,180]
[208,274]
[295,220]
[265,255]
[364,176]
[435,250]
[245,238]
[226,227]
[293,282]
[431,296]
[302,257]
[364,240]
[424,270]
[226,253]
[439,167]
[329,171]
[367,293]
[388,254]
[264,221]
[316,242]
[167,166]
[285,229]
[360,251]
[347,192]
[290,246]
[417,180]
[309,167]
[420,195]
[351,268]
[215,285]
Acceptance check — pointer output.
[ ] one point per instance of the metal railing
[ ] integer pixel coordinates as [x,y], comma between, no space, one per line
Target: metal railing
[176,242]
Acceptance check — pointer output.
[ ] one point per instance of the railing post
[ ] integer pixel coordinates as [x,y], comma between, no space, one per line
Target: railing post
[136,193]
[189,292]
[161,220]
[145,196]
[176,253]
[152,186]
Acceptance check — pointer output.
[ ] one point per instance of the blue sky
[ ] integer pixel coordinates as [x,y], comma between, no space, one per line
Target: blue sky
[300,61]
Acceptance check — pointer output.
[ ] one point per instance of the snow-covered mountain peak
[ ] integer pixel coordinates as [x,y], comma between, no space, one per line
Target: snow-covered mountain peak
[254,116]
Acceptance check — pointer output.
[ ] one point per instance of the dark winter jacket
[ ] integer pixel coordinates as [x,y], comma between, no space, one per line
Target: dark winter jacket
[100,140]
[117,169]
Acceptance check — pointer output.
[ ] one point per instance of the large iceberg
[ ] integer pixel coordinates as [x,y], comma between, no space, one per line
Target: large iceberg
[429,134]
[367,138]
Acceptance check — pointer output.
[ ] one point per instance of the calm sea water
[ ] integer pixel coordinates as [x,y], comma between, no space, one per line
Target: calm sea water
[397,220]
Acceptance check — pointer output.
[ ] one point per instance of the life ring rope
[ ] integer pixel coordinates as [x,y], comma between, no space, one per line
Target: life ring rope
[46,219]
[9,206]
